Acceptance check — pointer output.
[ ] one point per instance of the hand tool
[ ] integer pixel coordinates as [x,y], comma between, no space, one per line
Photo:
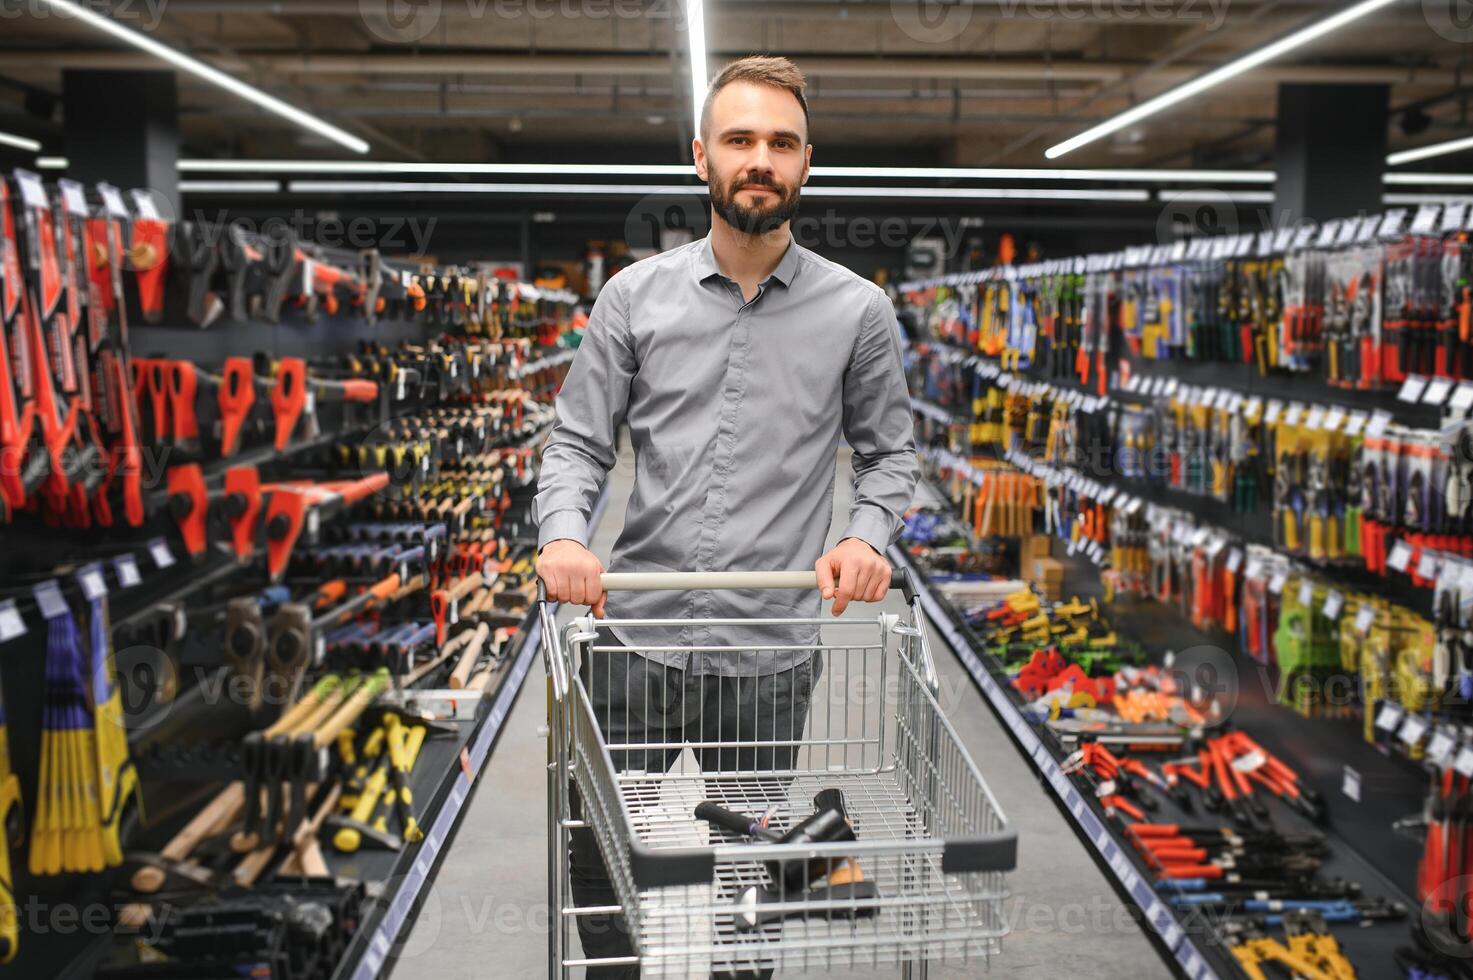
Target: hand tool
[445,603]
[296,631]
[351,831]
[295,396]
[213,818]
[316,705]
[293,504]
[307,760]
[827,823]
[12,822]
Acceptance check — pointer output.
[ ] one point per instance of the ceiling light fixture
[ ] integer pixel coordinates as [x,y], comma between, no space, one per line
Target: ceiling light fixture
[207,72]
[695,24]
[229,186]
[20,142]
[641,190]
[1431,150]
[1217,76]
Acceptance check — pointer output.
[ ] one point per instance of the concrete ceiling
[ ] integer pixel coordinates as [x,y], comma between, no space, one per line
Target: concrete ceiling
[988,82]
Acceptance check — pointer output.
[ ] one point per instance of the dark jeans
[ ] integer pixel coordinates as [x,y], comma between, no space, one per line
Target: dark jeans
[636,701]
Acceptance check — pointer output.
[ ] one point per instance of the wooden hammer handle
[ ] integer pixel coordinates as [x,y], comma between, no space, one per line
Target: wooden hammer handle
[462,670]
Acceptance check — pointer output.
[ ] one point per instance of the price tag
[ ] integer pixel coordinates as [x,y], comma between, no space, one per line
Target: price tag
[1265,244]
[399,387]
[1369,225]
[49,600]
[1277,583]
[1348,228]
[1334,602]
[1464,762]
[1327,234]
[1425,221]
[1411,389]
[1354,423]
[1350,784]
[1271,411]
[1306,593]
[454,614]
[158,549]
[1304,235]
[127,570]
[1254,569]
[94,586]
[32,191]
[1292,413]
[1224,399]
[1234,560]
[1253,406]
[1452,216]
[112,202]
[143,204]
[1380,419]
[1316,417]
[1437,391]
[314,522]
[319,650]
[1333,417]
[1401,555]
[1282,237]
[1428,566]
[1364,618]
[1412,730]
[11,623]
[1440,749]
[1462,399]
[1389,716]
[73,197]
[1391,221]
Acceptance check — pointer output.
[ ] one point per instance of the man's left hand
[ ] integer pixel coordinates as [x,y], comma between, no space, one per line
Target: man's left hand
[853,571]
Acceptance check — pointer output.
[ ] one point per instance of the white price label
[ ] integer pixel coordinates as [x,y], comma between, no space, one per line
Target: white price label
[1234,560]
[1292,413]
[1355,422]
[1334,602]
[1412,730]
[32,191]
[73,197]
[1316,417]
[1428,566]
[1440,748]
[127,571]
[1271,412]
[1364,618]
[1411,389]
[11,623]
[1254,569]
[1350,784]
[93,585]
[1464,762]
[1380,419]
[1462,399]
[1437,391]
[158,549]
[112,202]
[1401,555]
[1333,417]
[1389,716]
[1306,593]
[143,204]
[1277,583]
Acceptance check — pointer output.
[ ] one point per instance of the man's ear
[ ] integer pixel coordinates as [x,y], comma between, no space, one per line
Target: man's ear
[807,161]
[698,157]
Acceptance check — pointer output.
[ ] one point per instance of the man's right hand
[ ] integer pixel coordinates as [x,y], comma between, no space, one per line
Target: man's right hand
[570,573]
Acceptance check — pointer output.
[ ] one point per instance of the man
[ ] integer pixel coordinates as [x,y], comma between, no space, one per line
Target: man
[737,361]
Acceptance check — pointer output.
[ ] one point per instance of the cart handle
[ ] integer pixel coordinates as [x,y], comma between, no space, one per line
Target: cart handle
[680,581]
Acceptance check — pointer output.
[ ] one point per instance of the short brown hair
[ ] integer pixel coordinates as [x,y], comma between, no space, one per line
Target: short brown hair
[762,70]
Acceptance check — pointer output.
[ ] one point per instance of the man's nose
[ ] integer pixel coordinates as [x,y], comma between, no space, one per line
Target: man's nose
[761,160]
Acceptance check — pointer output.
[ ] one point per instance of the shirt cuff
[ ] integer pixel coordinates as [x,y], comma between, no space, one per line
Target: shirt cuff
[562,524]
[872,526]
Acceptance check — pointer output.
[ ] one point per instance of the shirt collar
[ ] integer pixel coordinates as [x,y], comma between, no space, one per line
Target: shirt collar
[787,267]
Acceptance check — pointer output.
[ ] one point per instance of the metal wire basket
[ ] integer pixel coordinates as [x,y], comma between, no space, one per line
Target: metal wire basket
[865,836]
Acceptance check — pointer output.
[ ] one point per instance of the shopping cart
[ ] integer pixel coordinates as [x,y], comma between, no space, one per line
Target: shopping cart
[910,870]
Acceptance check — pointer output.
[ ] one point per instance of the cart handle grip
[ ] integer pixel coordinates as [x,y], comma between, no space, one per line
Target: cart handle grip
[666,581]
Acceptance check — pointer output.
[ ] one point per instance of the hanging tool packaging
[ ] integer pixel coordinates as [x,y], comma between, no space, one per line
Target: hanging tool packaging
[267,594]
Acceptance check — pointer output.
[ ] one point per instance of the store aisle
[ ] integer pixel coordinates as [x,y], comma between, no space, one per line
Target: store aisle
[486,914]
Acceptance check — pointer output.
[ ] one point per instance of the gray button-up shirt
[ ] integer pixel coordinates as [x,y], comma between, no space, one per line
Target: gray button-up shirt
[735,411]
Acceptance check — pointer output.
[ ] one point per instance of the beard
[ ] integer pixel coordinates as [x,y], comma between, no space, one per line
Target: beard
[754,220]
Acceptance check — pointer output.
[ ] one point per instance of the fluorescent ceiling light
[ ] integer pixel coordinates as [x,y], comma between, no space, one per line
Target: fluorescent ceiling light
[1209,196]
[1431,150]
[210,74]
[695,24]
[685,170]
[388,167]
[20,142]
[52,163]
[642,190]
[229,186]
[1419,180]
[1421,198]
[1217,76]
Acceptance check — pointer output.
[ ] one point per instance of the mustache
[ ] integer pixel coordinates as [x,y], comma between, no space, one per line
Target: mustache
[756,180]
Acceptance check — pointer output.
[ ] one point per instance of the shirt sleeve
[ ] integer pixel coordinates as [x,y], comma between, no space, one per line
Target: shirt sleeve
[590,408]
[879,427]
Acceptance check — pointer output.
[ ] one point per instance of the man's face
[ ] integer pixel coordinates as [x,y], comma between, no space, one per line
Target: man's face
[755,157]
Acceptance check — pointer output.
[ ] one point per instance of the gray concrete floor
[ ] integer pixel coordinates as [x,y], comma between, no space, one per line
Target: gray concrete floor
[486,913]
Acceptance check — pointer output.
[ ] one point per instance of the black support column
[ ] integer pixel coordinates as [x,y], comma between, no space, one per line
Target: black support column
[122,127]
[1330,150]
